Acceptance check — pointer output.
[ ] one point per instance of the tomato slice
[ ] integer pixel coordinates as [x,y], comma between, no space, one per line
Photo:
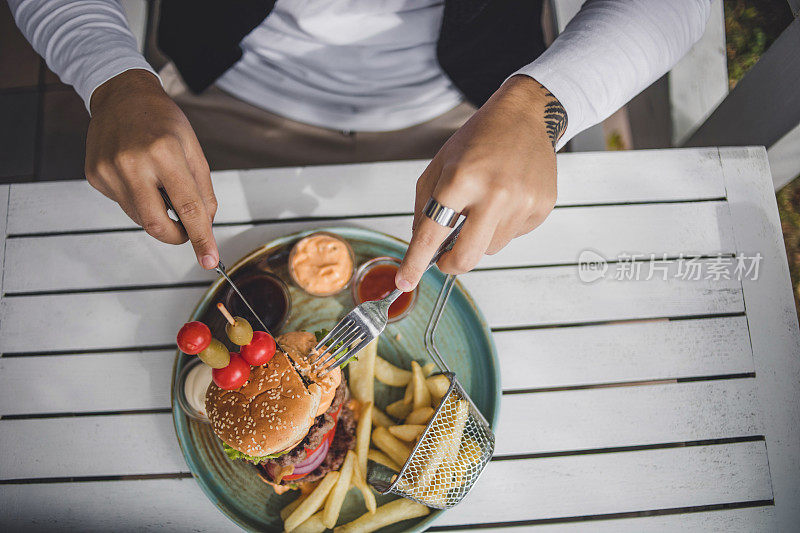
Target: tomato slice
[328,438]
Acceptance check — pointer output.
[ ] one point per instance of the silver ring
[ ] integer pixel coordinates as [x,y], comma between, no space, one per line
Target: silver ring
[442,215]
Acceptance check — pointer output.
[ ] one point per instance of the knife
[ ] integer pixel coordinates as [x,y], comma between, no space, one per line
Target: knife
[220,268]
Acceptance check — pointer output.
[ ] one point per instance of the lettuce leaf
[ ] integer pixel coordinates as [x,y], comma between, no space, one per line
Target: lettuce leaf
[320,334]
[233,453]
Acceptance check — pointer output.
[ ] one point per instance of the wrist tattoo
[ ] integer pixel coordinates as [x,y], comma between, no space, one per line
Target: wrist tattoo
[555,118]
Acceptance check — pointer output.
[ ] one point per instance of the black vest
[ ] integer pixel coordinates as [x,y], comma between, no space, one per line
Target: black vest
[480,44]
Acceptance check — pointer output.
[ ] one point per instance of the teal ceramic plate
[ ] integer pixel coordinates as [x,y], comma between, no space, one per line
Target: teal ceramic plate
[462,337]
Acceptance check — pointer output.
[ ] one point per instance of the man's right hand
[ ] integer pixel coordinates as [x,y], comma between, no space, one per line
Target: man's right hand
[139,140]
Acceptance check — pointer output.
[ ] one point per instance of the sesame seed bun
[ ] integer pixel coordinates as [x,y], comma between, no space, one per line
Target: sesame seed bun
[298,345]
[270,413]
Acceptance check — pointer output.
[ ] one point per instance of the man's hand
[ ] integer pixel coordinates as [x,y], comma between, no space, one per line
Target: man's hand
[499,170]
[139,140]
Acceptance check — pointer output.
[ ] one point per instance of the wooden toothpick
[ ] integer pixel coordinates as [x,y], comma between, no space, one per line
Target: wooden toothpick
[226,314]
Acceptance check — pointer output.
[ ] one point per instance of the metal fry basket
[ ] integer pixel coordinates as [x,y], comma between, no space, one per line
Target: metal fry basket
[453,449]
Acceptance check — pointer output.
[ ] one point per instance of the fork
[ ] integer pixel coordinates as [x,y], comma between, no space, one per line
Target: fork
[363,324]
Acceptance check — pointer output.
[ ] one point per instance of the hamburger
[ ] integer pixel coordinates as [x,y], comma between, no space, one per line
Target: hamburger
[292,432]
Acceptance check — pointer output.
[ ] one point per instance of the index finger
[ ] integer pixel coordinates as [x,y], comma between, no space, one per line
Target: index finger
[427,237]
[190,208]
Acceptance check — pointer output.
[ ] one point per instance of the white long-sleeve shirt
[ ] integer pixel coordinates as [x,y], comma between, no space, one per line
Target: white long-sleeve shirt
[371,66]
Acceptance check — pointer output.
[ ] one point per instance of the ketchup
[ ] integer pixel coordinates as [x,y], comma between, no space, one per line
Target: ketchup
[377,283]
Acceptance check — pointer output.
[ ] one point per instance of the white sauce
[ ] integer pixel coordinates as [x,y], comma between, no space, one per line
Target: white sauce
[194,388]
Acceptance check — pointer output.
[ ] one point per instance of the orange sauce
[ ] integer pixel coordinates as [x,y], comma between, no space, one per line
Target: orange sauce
[321,264]
[377,283]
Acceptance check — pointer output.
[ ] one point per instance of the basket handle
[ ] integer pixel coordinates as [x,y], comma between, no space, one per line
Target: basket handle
[433,322]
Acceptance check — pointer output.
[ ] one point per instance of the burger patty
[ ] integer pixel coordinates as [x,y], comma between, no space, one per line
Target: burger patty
[343,440]
[322,425]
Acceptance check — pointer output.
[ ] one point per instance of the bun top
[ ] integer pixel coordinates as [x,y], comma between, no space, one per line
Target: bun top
[270,413]
[298,345]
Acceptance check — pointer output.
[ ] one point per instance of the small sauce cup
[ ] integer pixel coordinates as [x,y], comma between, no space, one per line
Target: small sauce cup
[374,280]
[266,292]
[322,264]
[180,388]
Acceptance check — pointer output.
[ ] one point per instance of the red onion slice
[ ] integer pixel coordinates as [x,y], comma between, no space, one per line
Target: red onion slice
[312,461]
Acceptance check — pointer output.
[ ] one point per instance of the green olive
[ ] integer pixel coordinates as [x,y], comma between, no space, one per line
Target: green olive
[216,355]
[241,332]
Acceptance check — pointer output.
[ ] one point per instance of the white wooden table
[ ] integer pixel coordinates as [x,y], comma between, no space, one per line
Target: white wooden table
[615,416]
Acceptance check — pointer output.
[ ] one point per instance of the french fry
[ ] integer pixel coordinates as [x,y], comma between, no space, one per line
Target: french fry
[427,369]
[382,458]
[395,449]
[409,394]
[419,416]
[312,525]
[286,511]
[394,511]
[333,505]
[421,394]
[438,386]
[462,412]
[399,409]
[359,480]
[407,432]
[363,431]
[470,450]
[312,503]
[387,373]
[439,443]
[361,373]
[379,418]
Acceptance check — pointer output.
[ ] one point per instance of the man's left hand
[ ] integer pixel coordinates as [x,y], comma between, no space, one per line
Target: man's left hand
[498,169]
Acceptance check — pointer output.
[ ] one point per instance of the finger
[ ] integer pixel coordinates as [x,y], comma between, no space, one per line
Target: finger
[179,183]
[503,234]
[472,242]
[428,235]
[147,208]
[425,240]
[101,179]
[425,186]
[198,166]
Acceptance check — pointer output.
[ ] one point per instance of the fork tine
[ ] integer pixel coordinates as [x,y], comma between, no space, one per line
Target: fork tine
[347,341]
[343,348]
[349,355]
[345,324]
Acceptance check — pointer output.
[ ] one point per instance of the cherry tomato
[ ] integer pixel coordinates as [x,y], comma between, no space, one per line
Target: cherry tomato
[260,350]
[194,337]
[232,376]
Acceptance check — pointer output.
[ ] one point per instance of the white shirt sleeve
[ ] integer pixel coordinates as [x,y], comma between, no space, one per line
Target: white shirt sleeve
[611,51]
[85,42]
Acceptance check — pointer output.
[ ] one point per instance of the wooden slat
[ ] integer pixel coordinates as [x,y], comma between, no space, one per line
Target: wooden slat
[551,295]
[529,359]
[89,446]
[745,520]
[624,416]
[106,381]
[180,504]
[613,353]
[325,191]
[94,320]
[583,485]
[529,423]
[59,262]
[131,505]
[772,81]
[4,196]
[542,296]
[772,319]
[596,484]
